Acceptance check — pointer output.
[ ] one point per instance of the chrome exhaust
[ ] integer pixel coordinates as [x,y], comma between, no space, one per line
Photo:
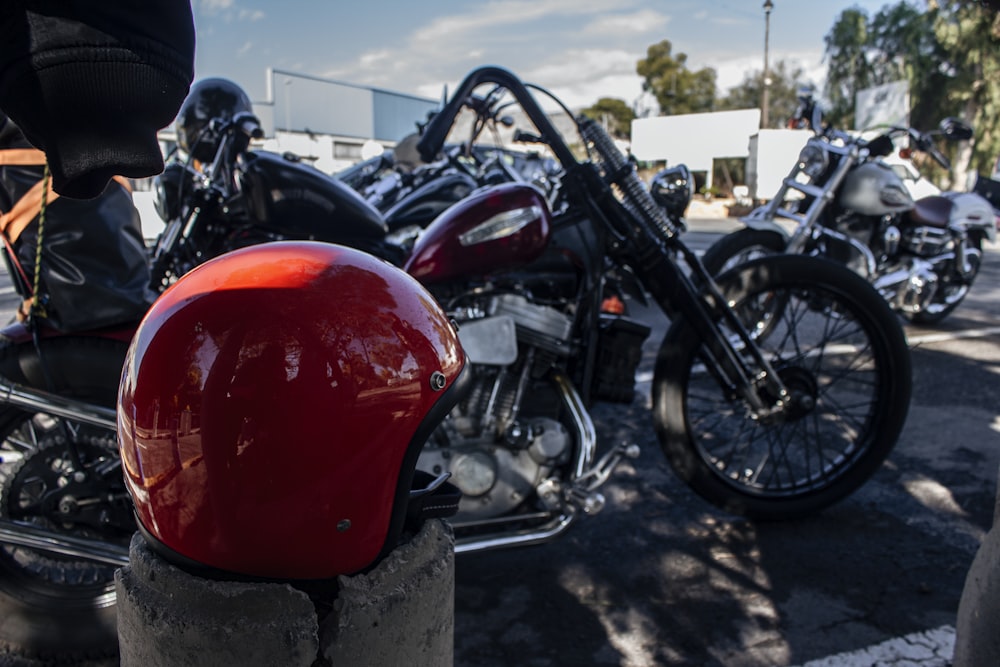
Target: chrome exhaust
[578,495]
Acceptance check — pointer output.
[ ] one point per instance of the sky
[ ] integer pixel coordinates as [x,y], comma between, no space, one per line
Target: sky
[581,50]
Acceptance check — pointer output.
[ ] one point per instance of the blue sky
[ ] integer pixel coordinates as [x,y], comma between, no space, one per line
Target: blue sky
[580,49]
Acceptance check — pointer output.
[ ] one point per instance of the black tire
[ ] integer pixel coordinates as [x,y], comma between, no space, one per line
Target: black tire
[57,610]
[741,246]
[760,314]
[950,293]
[838,346]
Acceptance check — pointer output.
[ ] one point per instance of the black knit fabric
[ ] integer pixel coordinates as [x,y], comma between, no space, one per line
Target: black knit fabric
[91,81]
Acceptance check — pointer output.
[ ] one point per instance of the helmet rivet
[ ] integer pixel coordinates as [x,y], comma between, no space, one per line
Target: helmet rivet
[438,381]
[343,525]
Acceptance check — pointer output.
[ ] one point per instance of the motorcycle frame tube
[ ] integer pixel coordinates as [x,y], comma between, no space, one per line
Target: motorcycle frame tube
[35,400]
[21,534]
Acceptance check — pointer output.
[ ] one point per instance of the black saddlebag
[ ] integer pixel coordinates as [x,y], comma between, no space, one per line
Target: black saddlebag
[94,268]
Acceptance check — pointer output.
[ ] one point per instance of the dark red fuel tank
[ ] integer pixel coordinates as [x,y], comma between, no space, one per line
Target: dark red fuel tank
[494,229]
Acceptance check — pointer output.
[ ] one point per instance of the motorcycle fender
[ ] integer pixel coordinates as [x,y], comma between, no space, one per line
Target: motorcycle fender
[491,341]
[759,219]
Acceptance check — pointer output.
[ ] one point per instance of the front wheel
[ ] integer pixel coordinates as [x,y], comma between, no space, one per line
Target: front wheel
[841,354]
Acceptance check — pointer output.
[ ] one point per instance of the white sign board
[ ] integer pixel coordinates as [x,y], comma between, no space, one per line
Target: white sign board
[888,104]
[695,139]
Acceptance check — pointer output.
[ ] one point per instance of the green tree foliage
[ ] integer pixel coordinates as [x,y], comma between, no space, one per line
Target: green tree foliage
[949,53]
[782,98]
[677,89]
[615,114]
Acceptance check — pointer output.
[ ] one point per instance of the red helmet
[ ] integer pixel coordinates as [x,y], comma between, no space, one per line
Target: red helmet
[272,407]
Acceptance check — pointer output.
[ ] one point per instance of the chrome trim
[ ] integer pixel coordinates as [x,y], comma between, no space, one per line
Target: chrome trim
[520,538]
[30,536]
[27,398]
[587,438]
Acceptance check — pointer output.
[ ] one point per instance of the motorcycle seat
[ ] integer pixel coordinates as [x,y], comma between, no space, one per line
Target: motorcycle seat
[933,211]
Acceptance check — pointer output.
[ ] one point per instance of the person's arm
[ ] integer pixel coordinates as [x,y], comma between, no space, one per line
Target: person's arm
[90,82]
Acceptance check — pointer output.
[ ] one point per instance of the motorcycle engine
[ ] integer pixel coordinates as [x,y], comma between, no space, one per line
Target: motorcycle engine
[505,438]
[910,278]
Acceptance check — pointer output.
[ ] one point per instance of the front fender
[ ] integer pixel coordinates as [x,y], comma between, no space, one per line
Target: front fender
[761,219]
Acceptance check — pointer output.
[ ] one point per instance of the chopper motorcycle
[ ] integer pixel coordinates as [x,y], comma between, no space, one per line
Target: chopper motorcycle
[847,205]
[771,427]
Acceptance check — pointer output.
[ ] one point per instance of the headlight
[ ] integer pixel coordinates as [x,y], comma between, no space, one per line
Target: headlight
[813,160]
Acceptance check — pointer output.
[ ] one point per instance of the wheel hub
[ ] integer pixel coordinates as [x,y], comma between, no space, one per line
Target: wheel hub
[803,392]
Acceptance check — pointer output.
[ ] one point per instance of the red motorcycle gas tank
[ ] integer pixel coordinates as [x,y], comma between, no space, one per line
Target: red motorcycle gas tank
[494,229]
[302,202]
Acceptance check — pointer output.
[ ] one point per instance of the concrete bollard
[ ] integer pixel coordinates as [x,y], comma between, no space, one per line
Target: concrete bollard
[399,613]
[977,628]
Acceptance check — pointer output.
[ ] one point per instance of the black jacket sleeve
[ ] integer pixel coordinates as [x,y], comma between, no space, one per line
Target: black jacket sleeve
[91,81]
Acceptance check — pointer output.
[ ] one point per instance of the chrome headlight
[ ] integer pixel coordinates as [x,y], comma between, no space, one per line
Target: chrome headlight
[813,160]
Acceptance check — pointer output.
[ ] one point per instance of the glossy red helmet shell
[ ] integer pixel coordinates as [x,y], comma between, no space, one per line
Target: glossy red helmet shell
[273,404]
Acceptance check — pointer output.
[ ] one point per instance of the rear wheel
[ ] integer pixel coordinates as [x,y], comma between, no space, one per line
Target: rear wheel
[841,354]
[951,292]
[64,476]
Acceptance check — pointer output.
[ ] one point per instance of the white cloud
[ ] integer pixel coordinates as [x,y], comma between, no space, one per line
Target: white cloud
[504,12]
[214,6]
[228,10]
[637,23]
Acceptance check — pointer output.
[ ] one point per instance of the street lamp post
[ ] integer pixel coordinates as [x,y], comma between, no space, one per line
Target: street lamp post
[768,6]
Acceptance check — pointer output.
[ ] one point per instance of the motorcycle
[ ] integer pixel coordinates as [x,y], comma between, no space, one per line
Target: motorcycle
[771,427]
[848,205]
[410,192]
[529,284]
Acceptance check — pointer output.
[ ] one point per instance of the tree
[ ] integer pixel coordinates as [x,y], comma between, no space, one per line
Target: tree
[677,89]
[615,114]
[782,98]
[947,53]
[969,34]
[848,70]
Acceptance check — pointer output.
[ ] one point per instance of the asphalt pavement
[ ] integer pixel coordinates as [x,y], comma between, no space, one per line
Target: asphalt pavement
[662,578]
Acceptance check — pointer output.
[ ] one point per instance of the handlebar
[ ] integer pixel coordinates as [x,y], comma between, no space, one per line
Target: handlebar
[437,129]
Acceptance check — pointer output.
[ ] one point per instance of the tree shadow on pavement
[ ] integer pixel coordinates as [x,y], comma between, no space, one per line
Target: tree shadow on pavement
[662,578]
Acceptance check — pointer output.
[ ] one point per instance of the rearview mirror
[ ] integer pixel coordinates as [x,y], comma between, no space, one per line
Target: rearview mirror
[954,129]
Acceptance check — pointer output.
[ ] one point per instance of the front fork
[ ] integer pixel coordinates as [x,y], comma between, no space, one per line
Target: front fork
[754,380]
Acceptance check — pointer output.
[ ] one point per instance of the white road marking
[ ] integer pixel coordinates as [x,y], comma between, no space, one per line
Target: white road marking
[646,377]
[931,648]
[953,335]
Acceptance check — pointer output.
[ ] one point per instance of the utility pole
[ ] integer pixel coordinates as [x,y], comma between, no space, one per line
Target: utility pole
[764,101]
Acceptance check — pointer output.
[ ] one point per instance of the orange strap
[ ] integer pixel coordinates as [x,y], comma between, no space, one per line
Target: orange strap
[27,208]
[23,157]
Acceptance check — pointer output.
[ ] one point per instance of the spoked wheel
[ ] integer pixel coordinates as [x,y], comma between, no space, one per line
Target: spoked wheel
[841,355]
[63,476]
[950,293]
[739,247]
